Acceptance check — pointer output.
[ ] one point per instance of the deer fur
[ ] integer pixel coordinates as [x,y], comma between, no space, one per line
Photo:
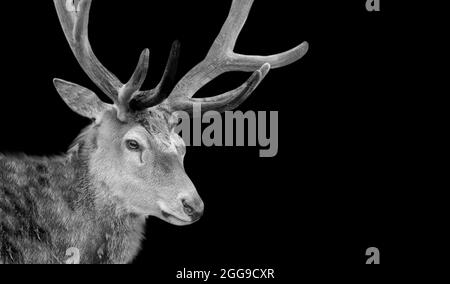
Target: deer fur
[48,205]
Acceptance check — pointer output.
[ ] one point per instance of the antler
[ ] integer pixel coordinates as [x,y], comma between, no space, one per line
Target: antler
[74,18]
[74,21]
[221,59]
[146,99]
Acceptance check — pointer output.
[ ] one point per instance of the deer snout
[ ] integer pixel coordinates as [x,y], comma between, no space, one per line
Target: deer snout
[193,207]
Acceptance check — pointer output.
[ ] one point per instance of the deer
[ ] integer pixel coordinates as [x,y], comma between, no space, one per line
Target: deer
[90,204]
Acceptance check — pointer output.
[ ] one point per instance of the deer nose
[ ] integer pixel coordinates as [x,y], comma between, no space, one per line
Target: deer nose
[193,208]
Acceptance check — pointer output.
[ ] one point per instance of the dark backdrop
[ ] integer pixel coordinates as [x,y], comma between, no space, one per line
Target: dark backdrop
[323,199]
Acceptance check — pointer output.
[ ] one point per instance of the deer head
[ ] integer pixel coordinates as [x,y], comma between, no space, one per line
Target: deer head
[137,153]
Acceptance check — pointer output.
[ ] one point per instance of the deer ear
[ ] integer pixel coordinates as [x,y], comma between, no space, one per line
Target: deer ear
[80,100]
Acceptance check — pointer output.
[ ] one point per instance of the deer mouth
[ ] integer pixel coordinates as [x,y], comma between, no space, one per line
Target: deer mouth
[174,219]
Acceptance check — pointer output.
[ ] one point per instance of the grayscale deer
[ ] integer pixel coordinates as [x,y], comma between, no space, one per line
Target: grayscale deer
[90,205]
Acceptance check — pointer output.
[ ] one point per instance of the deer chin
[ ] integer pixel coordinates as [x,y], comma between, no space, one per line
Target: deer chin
[174,220]
[172,217]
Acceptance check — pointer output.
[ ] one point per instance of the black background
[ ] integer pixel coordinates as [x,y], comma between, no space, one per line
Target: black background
[326,196]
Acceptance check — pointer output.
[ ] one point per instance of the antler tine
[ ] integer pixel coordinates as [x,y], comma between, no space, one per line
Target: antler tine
[134,84]
[146,99]
[74,21]
[227,101]
[221,57]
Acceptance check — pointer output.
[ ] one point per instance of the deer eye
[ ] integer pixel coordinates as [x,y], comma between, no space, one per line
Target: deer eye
[132,145]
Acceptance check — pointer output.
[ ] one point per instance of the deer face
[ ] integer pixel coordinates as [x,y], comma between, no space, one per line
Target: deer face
[141,163]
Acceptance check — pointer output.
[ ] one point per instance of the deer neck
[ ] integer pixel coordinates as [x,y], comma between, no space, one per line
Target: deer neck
[118,233]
